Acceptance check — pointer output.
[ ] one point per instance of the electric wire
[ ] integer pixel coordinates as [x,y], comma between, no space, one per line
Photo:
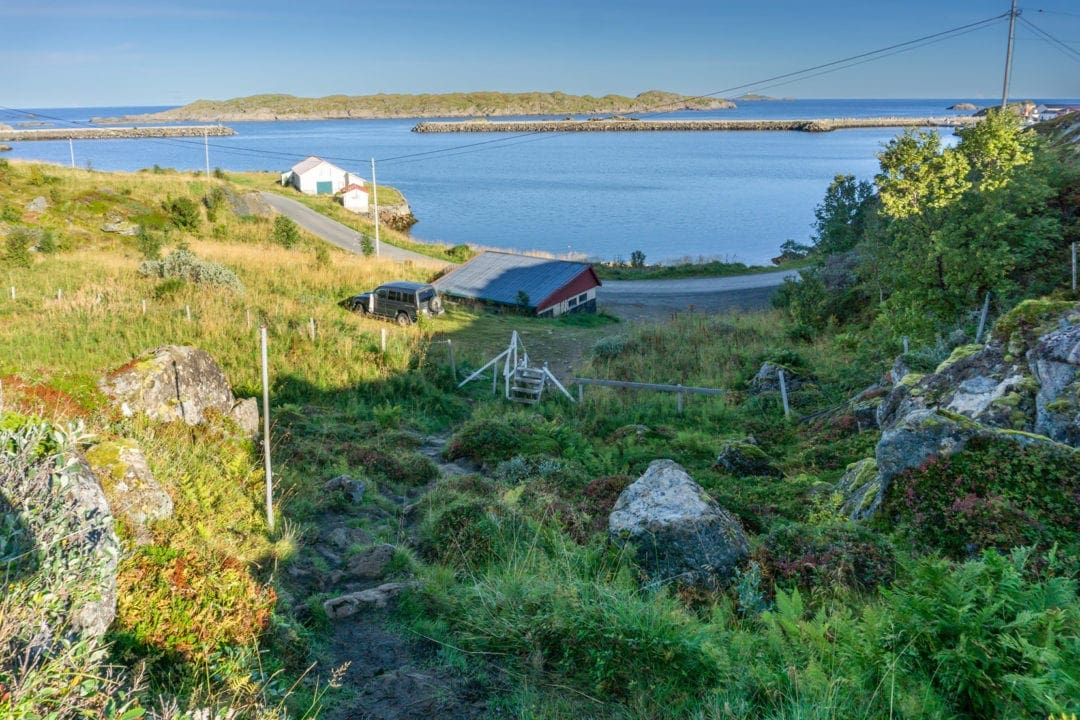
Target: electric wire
[1060,45]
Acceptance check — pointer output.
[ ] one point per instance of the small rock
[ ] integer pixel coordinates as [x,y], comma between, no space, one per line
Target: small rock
[370,564]
[860,489]
[37,205]
[767,379]
[246,414]
[344,537]
[745,458]
[348,605]
[121,228]
[351,488]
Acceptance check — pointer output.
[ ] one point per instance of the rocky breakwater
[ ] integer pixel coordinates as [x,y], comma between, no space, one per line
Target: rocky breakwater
[114,133]
[635,125]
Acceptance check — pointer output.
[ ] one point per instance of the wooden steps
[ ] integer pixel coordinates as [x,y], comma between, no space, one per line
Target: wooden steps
[527,385]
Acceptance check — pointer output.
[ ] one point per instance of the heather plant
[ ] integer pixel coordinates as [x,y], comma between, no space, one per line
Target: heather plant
[995,494]
[17,248]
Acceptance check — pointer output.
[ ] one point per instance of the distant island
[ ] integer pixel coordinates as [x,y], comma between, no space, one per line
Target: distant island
[754,97]
[473,104]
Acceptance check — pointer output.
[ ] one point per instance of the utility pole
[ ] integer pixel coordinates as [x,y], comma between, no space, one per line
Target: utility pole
[206,148]
[375,197]
[71,149]
[1008,56]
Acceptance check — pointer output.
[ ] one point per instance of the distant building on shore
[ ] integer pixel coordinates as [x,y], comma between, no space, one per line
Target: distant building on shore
[315,176]
[544,287]
[355,198]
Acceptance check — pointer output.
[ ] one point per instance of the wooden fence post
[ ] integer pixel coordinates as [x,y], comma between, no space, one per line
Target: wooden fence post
[1074,267]
[12,292]
[383,333]
[580,393]
[311,327]
[247,316]
[678,400]
[453,363]
[144,307]
[906,345]
[982,317]
[783,392]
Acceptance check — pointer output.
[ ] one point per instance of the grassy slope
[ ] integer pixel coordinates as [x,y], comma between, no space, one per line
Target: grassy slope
[531,582]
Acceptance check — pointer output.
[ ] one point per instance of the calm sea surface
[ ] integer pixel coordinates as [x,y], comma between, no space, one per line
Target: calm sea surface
[730,195]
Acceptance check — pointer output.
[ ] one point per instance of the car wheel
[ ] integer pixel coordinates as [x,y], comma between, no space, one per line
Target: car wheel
[403,319]
[359,309]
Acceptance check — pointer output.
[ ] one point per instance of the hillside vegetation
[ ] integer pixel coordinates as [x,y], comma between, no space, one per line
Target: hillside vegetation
[471,104]
[957,599]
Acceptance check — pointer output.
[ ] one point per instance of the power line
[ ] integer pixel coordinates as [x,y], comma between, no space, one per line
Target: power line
[1060,45]
[451,151]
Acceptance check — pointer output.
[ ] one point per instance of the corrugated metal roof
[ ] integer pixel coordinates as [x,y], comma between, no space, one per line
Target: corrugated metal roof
[500,277]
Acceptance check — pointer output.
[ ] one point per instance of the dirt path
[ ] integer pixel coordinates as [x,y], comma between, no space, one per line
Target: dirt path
[390,674]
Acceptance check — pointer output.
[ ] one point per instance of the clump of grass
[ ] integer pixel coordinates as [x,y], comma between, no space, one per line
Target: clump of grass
[184,265]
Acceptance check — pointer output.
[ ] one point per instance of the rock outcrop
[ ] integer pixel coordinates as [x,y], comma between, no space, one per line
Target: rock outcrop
[679,532]
[178,383]
[1022,386]
[767,379]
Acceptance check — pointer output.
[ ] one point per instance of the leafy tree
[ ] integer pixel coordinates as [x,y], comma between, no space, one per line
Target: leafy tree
[840,218]
[637,259]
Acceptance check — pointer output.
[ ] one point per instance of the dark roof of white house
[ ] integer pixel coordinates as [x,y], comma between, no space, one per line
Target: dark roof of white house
[501,277]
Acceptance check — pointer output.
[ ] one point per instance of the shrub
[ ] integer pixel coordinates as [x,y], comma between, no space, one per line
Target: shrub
[487,439]
[17,248]
[182,212]
[460,253]
[213,201]
[994,494]
[396,466]
[845,555]
[286,233]
[609,347]
[462,532]
[184,265]
[149,243]
[367,245]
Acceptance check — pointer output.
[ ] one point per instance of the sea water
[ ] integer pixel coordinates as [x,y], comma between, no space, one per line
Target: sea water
[735,196]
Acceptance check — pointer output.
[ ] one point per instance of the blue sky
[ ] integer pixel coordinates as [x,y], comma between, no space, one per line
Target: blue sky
[59,53]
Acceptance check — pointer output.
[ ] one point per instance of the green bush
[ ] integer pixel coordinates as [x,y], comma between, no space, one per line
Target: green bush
[183,213]
[286,233]
[149,243]
[401,467]
[461,532]
[17,248]
[609,347]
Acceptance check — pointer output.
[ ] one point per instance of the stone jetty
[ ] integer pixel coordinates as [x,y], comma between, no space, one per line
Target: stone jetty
[113,133]
[635,125]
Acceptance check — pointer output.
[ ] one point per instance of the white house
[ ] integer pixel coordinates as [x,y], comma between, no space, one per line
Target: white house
[315,176]
[354,197]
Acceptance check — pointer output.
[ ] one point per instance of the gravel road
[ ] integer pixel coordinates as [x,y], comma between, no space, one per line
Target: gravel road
[660,299]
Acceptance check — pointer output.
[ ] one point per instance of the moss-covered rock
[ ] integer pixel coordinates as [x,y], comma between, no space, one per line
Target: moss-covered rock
[860,489]
[133,492]
[744,458]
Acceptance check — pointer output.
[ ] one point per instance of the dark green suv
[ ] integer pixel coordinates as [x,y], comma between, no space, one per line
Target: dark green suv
[400,301]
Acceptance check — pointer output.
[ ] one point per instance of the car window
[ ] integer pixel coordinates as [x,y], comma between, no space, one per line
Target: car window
[426,294]
[395,296]
[381,293]
[408,297]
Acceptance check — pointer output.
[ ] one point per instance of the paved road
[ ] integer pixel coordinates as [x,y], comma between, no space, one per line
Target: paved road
[334,232]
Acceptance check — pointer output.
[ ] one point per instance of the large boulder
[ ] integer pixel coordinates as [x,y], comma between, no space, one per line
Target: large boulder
[54,513]
[133,492]
[177,383]
[680,533]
